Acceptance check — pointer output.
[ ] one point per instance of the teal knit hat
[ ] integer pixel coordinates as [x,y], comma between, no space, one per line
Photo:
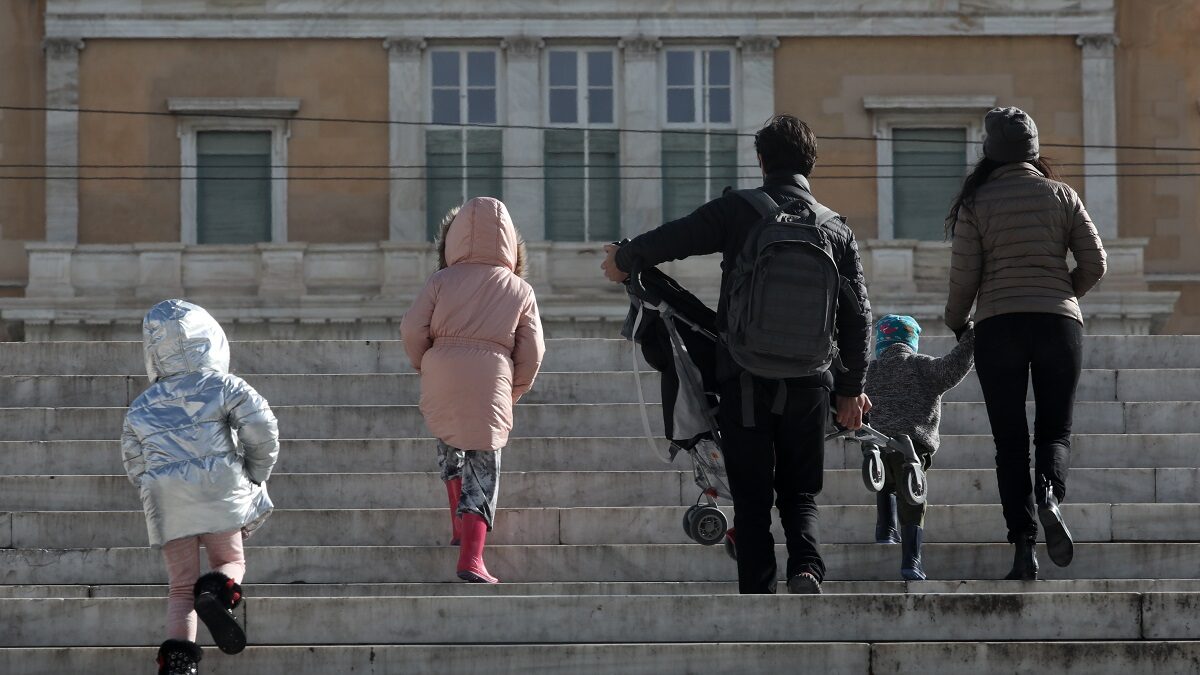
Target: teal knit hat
[896,329]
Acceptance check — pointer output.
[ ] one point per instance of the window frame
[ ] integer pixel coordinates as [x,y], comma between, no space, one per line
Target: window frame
[187,130]
[919,112]
[583,122]
[464,106]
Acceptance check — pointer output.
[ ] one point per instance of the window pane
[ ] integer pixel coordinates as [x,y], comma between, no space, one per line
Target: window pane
[718,67]
[481,106]
[681,69]
[600,106]
[929,169]
[564,106]
[719,106]
[681,105]
[564,185]
[563,69]
[445,69]
[233,187]
[484,159]
[481,69]
[444,175]
[684,186]
[604,187]
[446,106]
[600,69]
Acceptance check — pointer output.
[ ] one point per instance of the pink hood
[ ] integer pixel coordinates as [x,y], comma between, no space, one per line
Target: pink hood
[483,233]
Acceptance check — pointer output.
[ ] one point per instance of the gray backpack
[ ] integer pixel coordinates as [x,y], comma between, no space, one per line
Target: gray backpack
[781,310]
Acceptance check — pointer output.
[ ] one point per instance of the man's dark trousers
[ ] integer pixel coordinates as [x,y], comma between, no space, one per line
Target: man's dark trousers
[781,458]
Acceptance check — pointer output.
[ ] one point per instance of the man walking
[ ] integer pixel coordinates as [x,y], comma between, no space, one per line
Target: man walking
[786,259]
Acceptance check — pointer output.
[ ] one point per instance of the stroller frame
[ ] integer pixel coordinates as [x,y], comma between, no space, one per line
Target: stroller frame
[912,485]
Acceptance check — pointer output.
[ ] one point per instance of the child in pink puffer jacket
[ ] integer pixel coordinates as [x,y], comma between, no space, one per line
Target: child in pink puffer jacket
[474,335]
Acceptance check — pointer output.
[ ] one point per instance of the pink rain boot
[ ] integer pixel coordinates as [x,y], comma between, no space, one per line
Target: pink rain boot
[470,552]
[454,491]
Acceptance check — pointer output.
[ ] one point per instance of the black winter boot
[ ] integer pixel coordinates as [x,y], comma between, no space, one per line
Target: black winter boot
[1058,538]
[887,528]
[910,560]
[179,657]
[1025,565]
[216,597]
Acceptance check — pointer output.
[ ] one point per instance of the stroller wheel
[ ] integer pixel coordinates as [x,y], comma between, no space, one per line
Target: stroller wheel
[730,544]
[872,470]
[687,520]
[708,526]
[913,486]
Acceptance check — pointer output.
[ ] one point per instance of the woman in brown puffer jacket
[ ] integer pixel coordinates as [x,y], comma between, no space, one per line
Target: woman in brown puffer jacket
[1012,226]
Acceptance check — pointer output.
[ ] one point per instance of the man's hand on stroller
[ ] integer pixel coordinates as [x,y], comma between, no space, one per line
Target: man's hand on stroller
[611,271]
[850,410]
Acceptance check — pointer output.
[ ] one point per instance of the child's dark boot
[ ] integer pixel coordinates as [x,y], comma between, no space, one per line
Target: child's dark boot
[887,528]
[179,657]
[216,597]
[910,561]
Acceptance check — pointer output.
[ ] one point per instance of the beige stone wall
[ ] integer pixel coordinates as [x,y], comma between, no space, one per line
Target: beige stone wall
[1158,104]
[824,80]
[332,78]
[22,82]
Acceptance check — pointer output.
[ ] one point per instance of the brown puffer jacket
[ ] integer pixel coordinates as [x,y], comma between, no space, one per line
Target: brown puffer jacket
[1010,249]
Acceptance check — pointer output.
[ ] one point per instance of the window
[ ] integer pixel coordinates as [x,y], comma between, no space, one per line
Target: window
[461,162]
[582,171]
[928,169]
[233,187]
[699,159]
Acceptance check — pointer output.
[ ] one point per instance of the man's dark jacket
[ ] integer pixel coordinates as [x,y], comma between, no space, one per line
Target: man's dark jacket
[722,225]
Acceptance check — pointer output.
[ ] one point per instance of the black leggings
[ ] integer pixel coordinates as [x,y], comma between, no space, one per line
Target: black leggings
[1008,348]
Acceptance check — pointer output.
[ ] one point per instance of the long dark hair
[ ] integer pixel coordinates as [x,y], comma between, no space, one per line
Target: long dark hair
[978,176]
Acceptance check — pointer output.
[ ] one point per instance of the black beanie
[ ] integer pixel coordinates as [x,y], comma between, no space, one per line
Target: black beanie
[1011,136]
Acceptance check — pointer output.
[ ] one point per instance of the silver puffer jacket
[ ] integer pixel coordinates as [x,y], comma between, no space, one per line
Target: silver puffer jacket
[199,443]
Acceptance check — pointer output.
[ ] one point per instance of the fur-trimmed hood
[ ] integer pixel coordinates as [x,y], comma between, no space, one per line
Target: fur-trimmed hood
[485,234]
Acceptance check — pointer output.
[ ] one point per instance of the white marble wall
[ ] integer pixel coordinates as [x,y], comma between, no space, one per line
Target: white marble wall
[641,188]
[1100,128]
[62,138]
[521,96]
[757,85]
[406,141]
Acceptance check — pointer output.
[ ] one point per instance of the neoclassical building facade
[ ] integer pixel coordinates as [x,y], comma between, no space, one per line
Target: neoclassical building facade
[286,164]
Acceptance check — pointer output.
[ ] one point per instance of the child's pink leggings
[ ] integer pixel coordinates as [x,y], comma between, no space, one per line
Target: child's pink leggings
[183,569]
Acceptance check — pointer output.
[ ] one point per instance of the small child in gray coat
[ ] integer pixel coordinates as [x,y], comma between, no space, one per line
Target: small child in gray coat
[906,394]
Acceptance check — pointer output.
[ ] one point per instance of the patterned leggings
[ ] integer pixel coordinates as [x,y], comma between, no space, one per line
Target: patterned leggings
[480,473]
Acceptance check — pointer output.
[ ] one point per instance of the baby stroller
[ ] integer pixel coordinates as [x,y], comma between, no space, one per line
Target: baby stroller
[678,338]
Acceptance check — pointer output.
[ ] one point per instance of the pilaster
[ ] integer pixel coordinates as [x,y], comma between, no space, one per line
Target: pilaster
[524,193]
[1100,129]
[757,84]
[406,139]
[641,153]
[62,139]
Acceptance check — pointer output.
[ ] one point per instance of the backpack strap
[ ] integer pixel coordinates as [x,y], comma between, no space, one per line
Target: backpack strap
[761,201]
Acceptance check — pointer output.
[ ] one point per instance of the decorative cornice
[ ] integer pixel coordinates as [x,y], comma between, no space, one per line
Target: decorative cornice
[928,103]
[758,45]
[1098,45]
[261,106]
[404,46]
[523,46]
[640,46]
[62,47]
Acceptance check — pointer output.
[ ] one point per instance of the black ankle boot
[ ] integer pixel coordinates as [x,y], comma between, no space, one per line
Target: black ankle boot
[216,597]
[910,560]
[1025,565]
[179,657]
[1059,544]
[887,529]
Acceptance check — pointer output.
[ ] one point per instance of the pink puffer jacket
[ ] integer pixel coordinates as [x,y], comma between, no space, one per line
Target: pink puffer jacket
[473,333]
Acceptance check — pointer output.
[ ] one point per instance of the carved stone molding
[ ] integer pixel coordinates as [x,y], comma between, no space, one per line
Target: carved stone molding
[640,46]
[523,46]
[1099,45]
[758,45]
[404,46]
[60,48]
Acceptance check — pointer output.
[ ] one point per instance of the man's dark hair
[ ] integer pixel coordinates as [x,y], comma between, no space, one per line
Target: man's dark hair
[786,144]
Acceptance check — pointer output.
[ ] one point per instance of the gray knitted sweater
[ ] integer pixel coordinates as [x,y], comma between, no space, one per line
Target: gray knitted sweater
[906,390]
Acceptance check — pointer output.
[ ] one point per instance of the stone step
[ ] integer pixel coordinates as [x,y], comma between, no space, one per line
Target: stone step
[625,525]
[586,454]
[387,356]
[457,588]
[850,658]
[584,488]
[608,619]
[404,421]
[437,659]
[642,562]
[22,391]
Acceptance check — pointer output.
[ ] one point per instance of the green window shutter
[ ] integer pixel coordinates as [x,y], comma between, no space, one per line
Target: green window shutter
[722,161]
[485,169]
[926,176]
[604,186]
[683,172]
[233,187]
[564,161]
[444,176]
